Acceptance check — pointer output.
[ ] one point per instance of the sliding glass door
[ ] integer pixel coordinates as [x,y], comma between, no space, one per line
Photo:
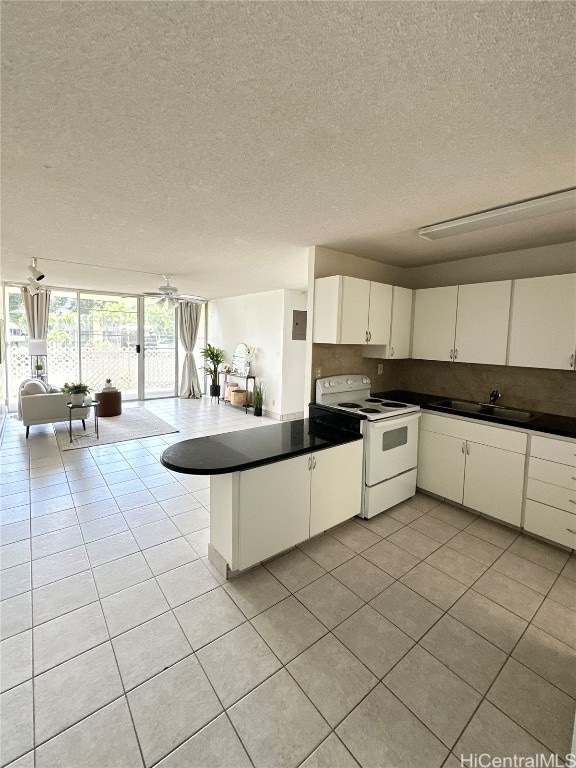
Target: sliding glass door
[109,338]
[95,336]
[159,350]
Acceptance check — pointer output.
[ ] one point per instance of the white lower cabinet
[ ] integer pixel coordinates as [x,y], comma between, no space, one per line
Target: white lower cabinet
[465,462]
[553,524]
[441,465]
[494,482]
[274,509]
[260,512]
[551,490]
[336,490]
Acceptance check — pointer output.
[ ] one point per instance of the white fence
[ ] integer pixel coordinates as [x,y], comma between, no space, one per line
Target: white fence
[98,364]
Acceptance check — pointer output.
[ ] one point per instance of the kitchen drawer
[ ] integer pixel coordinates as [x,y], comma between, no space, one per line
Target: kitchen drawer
[553,495]
[476,432]
[551,472]
[550,523]
[562,451]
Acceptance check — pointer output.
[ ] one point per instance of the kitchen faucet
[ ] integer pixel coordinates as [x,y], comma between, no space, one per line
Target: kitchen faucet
[494,395]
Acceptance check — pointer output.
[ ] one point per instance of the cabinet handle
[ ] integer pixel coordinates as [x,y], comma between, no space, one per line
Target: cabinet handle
[366,336]
[572,501]
[313,462]
[572,360]
[455,354]
[369,335]
[391,351]
[309,462]
[467,449]
[571,530]
[464,447]
[451,354]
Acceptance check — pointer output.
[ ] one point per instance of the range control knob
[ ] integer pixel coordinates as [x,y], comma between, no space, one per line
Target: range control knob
[330,383]
[349,382]
[325,385]
[365,380]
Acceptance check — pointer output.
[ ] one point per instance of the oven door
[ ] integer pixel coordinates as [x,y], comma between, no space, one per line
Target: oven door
[391,447]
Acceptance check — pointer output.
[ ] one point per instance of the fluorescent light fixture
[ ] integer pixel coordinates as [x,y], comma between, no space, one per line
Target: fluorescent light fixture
[36,273]
[508,214]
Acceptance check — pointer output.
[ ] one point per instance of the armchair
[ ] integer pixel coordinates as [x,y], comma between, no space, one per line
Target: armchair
[41,407]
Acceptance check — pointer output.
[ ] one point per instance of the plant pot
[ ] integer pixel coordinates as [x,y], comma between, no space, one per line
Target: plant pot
[214,390]
[77,398]
[257,410]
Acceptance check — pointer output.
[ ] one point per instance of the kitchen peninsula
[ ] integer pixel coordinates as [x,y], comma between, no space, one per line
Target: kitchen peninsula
[273,487]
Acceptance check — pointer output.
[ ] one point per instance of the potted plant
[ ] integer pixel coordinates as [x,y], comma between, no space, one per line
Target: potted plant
[258,398]
[214,357]
[77,392]
[39,367]
[108,385]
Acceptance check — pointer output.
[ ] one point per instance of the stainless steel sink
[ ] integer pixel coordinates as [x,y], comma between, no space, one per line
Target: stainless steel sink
[486,409]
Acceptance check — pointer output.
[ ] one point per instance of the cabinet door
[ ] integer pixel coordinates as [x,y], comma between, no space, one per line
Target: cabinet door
[274,509]
[354,305]
[434,323]
[441,462]
[336,486]
[543,325]
[482,322]
[401,323]
[494,482]
[380,313]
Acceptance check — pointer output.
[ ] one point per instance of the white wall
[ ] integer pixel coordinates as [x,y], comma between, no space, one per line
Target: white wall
[293,357]
[328,263]
[532,262]
[260,320]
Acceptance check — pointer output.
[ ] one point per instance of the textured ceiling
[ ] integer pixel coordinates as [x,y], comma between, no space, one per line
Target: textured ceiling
[217,140]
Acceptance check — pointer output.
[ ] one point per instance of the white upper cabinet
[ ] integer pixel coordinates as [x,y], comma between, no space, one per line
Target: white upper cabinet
[401,323]
[380,313]
[482,322]
[466,323]
[435,323]
[354,309]
[543,324]
[348,310]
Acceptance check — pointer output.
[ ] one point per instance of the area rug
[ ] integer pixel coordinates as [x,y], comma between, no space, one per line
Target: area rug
[133,424]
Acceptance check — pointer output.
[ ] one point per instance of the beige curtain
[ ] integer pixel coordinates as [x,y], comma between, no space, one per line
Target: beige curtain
[37,308]
[189,322]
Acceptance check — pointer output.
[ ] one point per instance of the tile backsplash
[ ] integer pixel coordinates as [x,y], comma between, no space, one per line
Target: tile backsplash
[539,389]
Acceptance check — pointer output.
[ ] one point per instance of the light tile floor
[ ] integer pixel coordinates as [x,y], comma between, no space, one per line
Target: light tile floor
[404,640]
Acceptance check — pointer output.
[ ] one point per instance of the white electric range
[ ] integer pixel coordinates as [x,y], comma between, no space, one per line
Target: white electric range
[390,431]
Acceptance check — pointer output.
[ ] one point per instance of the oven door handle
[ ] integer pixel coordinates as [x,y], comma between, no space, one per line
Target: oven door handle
[395,421]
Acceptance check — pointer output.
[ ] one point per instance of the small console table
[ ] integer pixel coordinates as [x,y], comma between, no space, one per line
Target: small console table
[94,404]
[247,378]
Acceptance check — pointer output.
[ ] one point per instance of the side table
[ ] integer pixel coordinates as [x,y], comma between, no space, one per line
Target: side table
[110,403]
[94,404]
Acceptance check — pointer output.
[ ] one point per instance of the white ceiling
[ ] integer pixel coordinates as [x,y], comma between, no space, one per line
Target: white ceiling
[217,140]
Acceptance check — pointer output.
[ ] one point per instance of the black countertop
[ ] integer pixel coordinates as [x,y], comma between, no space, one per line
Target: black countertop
[549,423]
[249,448]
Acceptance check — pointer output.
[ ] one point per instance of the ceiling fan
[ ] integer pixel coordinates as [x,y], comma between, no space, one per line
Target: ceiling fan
[169,295]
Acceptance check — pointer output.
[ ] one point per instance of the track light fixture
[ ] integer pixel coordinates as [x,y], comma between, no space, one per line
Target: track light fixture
[36,273]
[33,286]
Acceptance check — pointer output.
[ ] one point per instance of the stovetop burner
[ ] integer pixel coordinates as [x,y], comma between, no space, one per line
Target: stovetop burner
[370,410]
[349,405]
[392,404]
[372,400]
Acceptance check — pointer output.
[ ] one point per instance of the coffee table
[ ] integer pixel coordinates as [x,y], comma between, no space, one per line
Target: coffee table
[71,406]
